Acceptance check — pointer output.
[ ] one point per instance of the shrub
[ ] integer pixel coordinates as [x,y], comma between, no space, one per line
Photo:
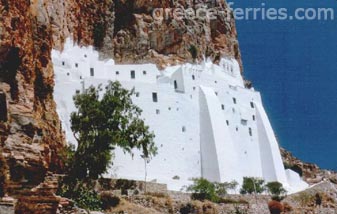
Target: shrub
[125,185]
[304,199]
[187,209]
[276,190]
[275,207]
[202,189]
[83,195]
[252,185]
[109,200]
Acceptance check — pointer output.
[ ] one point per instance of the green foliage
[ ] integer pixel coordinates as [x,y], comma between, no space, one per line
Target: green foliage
[102,123]
[252,185]
[83,195]
[276,190]
[193,51]
[3,174]
[187,209]
[203,189]
[125,185]
[109,200]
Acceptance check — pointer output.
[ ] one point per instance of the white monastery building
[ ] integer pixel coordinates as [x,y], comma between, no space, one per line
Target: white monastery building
[206,123]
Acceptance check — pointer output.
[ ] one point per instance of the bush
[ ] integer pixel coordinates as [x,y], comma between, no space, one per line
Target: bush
[109,200]
[275,207]
[252,185]
[203,189]
[125,185]
[276,190]
[83,195]
[187,209]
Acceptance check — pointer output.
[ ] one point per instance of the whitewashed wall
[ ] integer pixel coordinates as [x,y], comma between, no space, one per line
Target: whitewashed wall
[206,123]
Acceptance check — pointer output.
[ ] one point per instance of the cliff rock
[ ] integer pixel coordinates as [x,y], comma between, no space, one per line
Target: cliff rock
[30,131]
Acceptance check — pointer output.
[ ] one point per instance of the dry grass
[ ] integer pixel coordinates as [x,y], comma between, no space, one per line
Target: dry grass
[130,208]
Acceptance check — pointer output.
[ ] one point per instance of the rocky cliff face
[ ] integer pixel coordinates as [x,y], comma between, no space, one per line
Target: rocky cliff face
[30,131]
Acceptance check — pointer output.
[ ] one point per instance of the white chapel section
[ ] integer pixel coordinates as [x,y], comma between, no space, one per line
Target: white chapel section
[207,124]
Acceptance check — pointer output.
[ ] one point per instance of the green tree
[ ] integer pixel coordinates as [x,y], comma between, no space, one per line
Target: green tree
[252,185]
[102,123]
[276,190]
[203,189]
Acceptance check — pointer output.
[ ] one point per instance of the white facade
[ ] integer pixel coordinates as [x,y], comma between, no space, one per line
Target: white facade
[206,123]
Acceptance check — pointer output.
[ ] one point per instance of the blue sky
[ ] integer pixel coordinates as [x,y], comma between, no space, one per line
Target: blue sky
[294,66]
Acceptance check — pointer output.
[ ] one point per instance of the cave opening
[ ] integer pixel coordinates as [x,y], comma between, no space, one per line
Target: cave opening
[10,62]
[3,107]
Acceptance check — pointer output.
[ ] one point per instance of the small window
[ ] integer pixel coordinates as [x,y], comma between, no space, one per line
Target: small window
[92,72]
[157,111]
[117,72]
[154,97]
[133,74]
[237,129]
[216,93]
[63,63]
[175,85]
[169,108]
[234,100]
[137,94]
[77,91]
[223,107]
[254,117]
[76,65]
[85,55]
[193,88]
[80,77]
[144,72]
[244,122]
[252,104]
[250,132]
[227,122]
[68,74]
[193,77]
[215,82]
[233,110]
[183,129]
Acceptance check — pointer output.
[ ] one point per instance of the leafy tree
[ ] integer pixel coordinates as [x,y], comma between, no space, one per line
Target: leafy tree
[276,190]
[252,185]
[203,189]
[102,123]
[232,185]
